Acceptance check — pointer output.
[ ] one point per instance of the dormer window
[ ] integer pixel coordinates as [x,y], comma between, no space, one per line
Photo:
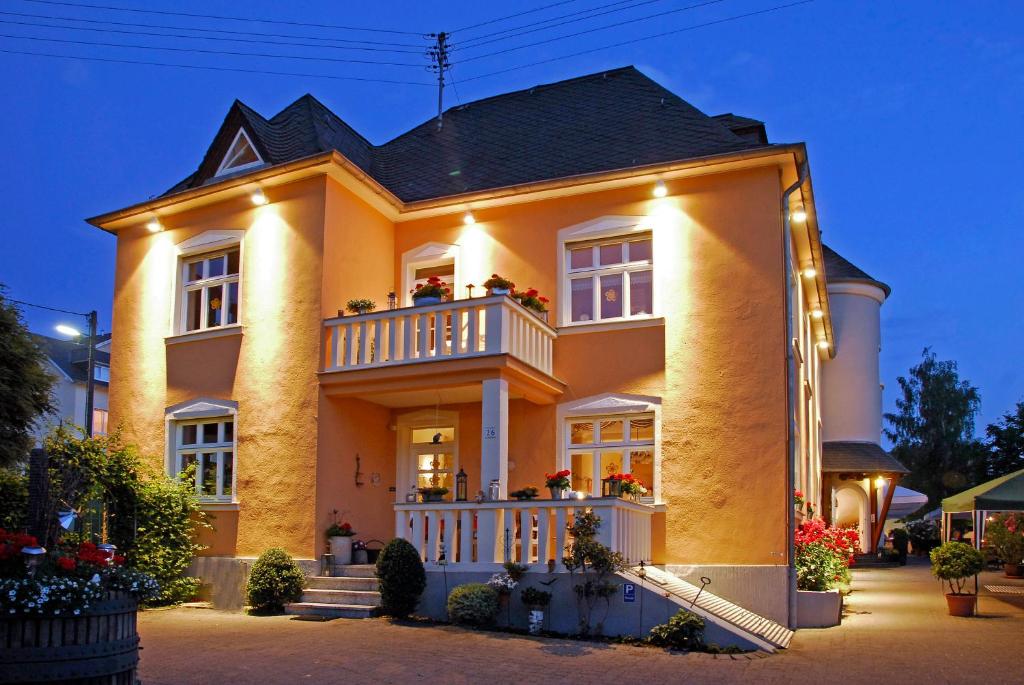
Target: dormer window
[241,155]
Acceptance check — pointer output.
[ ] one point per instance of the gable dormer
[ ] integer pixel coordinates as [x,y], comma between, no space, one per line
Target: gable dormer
[241,154]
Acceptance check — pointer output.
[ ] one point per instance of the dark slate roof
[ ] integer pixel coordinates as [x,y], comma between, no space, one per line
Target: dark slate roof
[745,127]
[601,122]
[838,268]
[858,457]
[71,357]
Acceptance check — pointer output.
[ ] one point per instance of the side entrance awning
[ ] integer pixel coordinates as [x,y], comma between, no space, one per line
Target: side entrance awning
[865,458]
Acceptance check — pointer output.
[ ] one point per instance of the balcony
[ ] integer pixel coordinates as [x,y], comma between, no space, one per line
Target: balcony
[449,344]
[482,535]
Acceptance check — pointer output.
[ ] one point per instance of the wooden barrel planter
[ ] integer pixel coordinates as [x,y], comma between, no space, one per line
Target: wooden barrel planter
[99,647]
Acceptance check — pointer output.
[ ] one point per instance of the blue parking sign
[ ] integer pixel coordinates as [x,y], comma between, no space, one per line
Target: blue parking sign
[628,592]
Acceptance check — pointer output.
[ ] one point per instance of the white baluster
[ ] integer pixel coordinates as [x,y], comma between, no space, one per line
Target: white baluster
[472,334]
[439,333]
[335,334]
[486,539]
[409,332]
[423,345]
[363,356]
[378,339]
[450,541]
[465,536]
[433,534]
[543,535]
[392,339]
[347,359]
[525,536]
[402,524]
[561,516]
[417,532]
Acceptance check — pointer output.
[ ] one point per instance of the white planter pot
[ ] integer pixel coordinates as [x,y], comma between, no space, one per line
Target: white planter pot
[536,621]
[341,548]
[818,609]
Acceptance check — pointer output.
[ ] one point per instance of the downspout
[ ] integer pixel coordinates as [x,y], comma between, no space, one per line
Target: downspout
[791,446]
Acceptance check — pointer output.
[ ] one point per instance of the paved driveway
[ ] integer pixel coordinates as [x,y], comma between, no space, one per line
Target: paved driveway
[896,631]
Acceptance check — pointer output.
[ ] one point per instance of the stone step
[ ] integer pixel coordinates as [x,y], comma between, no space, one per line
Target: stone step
[341,583]
[329,610]
[345,597]
[354,571]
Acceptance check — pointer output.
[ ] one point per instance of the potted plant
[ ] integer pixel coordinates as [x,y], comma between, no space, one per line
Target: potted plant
[362,306]
[496,285]
[339,536]
[433,493]
[629,485]
[434,291]
[1005,536]
[524,495]
[798,506]
[955,562]
[503,583]
[533,301]
[557,482]
[536,602]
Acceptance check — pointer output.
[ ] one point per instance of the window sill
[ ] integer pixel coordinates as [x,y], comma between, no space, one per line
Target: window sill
[218,506]
[601,326]
[233,329]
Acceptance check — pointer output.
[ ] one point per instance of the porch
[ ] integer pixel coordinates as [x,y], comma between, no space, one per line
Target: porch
[480,536]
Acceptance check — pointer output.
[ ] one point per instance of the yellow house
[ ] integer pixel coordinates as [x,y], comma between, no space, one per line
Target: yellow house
[686,332]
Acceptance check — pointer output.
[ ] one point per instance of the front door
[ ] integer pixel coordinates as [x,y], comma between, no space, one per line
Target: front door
[429,453]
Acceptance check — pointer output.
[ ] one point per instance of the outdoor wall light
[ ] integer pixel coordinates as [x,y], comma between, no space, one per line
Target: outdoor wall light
[468,218]
[258,198]
[660,190]
[461,486]
[809,272]
[823,344]
[880,482]
[154,226]
[817,313]
[799,215]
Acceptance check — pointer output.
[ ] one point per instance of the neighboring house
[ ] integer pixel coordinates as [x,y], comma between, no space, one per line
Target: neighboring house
[69,362]
[690,325]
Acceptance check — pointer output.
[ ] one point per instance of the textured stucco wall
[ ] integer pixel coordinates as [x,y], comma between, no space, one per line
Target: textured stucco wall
[270,369]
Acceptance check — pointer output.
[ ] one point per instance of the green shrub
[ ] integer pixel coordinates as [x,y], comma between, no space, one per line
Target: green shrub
[402,578]
[473,604]
[955,562]
[275,580]
[683,631]
[13,499]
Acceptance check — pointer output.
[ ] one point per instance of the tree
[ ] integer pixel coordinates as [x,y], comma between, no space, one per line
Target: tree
[1006,443]
[24,384]
[933,429]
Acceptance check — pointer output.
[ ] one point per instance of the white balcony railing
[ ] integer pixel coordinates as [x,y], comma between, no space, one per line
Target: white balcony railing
[450,330]
[531,532]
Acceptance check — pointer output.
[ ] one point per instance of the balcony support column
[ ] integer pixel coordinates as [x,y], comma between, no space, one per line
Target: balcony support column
[494,437]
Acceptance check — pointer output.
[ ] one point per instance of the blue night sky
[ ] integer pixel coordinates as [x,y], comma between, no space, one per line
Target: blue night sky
[911,112]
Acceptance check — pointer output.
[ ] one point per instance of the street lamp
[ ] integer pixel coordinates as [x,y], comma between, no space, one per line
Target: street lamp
[71,331]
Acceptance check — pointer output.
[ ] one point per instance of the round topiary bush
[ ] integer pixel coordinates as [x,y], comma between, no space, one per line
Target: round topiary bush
[955,562]
[402,578]
[275,580]
[473,604]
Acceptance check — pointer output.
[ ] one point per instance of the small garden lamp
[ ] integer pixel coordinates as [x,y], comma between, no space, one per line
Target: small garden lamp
[392,300]
[107,550]
[461,486]
[33,558]
[642,571]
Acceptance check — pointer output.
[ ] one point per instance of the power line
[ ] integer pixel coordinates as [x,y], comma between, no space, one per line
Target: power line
[616,25]
[212,52]
[641,39]
[513,16]
[208,30]
[591,13]
[239,70]
[261,41]
[64,3]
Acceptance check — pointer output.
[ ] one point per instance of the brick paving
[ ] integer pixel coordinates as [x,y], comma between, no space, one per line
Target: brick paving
[896,630]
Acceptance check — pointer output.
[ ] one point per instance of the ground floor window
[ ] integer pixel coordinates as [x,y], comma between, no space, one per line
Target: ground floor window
[208,445]
[601,446]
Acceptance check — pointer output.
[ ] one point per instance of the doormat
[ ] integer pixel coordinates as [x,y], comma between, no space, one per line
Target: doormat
[1005,589]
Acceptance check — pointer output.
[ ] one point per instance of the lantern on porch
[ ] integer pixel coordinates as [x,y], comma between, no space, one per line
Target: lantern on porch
[461,486]
[392,300]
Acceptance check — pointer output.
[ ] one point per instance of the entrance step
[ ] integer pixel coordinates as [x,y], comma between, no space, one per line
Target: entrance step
[329,610]
[754,628]
[352,592]
[872,560]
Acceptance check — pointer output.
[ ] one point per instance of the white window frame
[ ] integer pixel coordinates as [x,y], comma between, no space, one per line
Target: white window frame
[198,413]
[610,406]
[407,464]
[225,169]
[605,230]
[425,256]
[205,246]
[101,372]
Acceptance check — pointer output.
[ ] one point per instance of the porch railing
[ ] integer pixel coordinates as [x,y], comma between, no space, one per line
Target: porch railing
[527,532]
[450,330]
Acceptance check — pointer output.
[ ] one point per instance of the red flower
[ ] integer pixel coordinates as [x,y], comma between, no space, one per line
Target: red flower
[119,559]
[66,563]
[543,299]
